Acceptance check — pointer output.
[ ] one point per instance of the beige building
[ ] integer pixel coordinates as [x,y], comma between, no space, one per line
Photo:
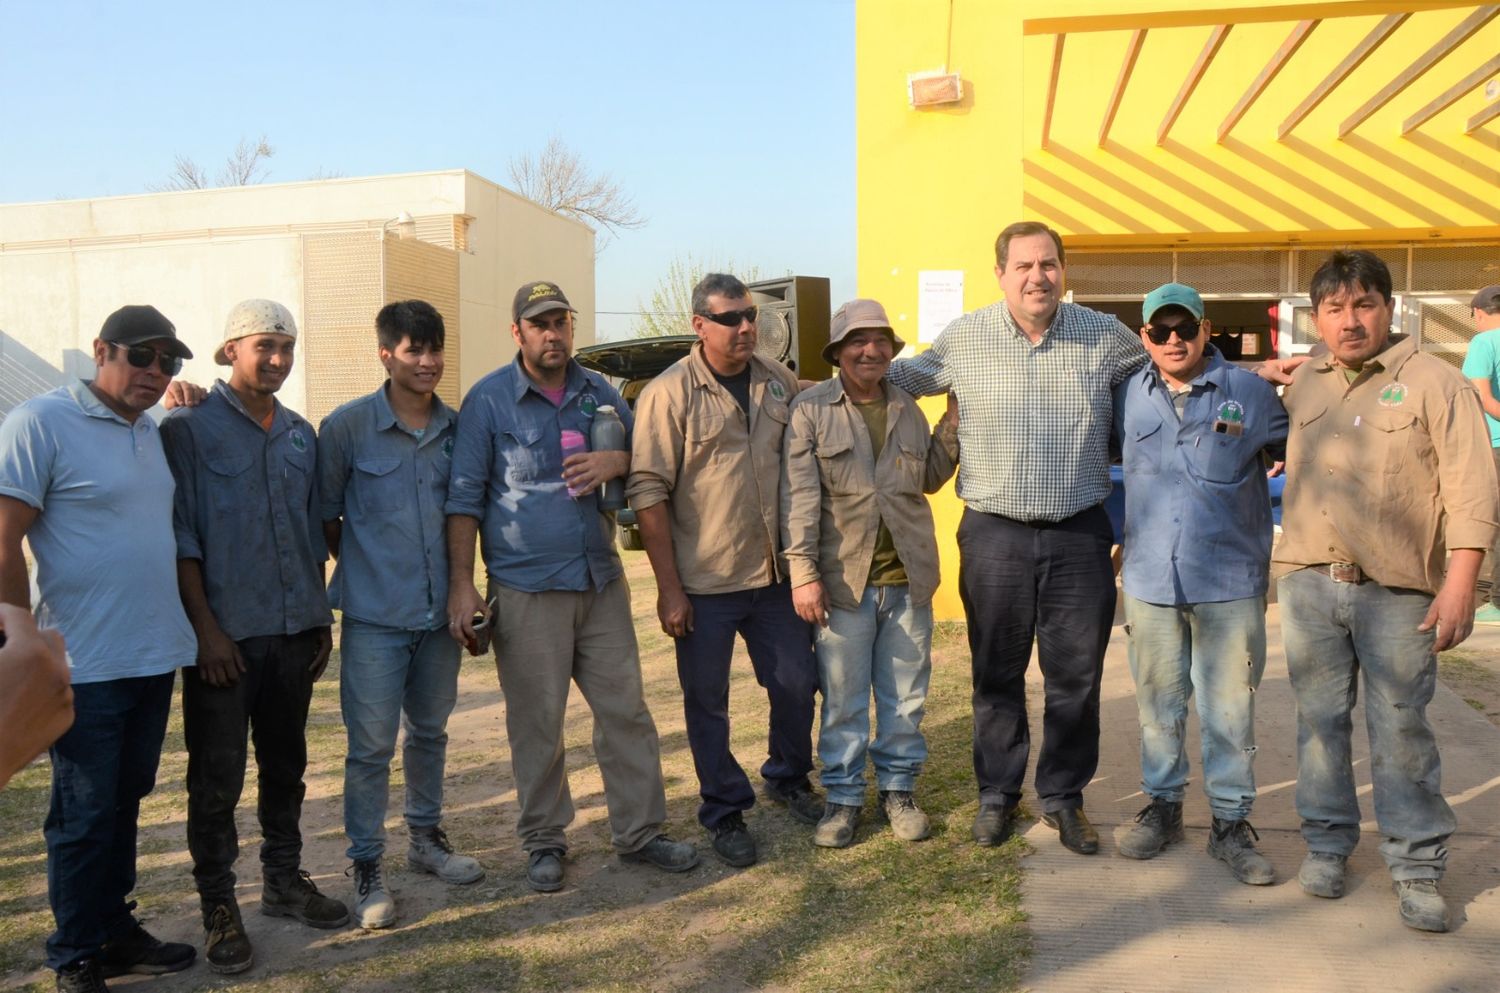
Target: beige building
[334,251]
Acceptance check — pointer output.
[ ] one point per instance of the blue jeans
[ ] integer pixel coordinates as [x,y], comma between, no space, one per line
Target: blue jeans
[101,769]
[781,652]
[390,676]
[1218,651]
[885,645]
[1332,633]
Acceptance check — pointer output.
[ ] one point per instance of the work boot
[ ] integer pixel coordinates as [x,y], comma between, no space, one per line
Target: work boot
[430,852]
[1156,827]
[1322,875]
[296,896]
[1231,843]
[800,800]
[83,976]
[908,822]
[733,842]
[373,906]
[994,824]
[544,870]
[1421,905]
[665,854]
[1074,830]
[137,951]
[836,829]
[226,946]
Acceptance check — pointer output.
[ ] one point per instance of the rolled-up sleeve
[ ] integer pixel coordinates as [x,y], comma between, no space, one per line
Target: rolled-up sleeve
[182,459]
[801,496]
[1466,472]
[655,450]
[473,455]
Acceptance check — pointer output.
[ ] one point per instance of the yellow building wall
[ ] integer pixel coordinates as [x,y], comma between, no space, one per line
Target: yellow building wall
[936,185]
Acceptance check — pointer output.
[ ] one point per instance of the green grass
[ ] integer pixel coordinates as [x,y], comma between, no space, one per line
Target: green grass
[942,914]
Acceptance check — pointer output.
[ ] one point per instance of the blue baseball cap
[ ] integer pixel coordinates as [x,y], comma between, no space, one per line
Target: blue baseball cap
[1172,295]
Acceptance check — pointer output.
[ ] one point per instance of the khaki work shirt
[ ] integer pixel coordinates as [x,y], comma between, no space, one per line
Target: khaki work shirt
[835,493]
[718,470]
[1388,472]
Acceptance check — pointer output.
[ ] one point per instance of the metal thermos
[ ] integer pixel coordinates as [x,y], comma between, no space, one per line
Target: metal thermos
[607,434]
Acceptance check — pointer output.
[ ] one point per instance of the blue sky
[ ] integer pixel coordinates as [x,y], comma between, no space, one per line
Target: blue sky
[732,124]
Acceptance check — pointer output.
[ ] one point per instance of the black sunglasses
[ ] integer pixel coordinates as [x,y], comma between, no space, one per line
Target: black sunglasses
[732,318]
[141,356]
[1184,332]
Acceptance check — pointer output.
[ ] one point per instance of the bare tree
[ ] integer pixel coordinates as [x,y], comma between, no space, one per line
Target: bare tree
[557,179]
[671,307]
[244,166]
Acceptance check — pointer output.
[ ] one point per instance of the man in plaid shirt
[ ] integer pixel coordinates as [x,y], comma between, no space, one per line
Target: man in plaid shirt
[1033,377]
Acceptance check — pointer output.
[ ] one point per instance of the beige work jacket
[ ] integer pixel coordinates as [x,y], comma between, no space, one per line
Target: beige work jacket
[835,494]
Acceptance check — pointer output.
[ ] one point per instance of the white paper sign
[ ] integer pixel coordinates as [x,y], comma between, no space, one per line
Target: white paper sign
[940,299]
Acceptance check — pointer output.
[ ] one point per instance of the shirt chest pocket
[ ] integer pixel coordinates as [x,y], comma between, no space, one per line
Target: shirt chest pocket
[1219,458]
[378,484]
[231,486]
[1302,444]
[1143,447]
[837,466]
[1392,443]
[702,434]
[523,452]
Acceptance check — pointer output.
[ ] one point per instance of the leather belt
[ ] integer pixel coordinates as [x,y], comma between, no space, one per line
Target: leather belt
[1341,572]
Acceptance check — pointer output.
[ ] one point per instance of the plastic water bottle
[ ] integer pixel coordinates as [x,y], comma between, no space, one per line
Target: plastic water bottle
[607,434]
[573,442]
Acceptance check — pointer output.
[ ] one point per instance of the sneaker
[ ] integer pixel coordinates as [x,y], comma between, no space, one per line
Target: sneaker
[544,870]
[801,801]
[297,896]
[373,906]
[1487,614]
[83,976]
[1233,843]
[994,823]
[664,853]
[908,822]
[136,951]
[733,842]
[430,852]
[1421,905]
[1074,830]
[1156,827]
[226,947]
[836,829]
[1322,875]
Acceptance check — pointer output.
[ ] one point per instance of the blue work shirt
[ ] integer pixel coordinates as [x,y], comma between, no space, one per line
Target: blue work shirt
[1197,510]
[507,473]
[388,483]
[106,561]
[247,508]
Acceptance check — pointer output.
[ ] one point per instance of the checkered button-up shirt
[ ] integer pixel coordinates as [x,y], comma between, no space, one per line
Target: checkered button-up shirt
[1034,420]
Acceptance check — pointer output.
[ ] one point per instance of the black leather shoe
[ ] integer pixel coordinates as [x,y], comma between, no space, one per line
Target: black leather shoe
[994,824]
[800,800]
[1073,827]
[732,841]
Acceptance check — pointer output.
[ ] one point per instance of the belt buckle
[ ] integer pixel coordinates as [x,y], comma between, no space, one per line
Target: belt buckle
[1344,572]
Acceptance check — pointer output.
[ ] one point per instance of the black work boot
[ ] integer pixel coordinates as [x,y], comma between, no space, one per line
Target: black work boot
[226,946]
[295,896]
[1156,827]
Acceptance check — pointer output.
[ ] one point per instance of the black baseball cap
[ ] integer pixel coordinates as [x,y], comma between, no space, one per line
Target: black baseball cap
[538,298]
[136,323]
[1487,300]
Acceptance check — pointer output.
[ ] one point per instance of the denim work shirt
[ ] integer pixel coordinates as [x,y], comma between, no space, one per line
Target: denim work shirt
[388,483]
[1197,506]
[507,473]
[247,508]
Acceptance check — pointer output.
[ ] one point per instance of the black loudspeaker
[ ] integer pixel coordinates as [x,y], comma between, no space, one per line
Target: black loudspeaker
[793,323]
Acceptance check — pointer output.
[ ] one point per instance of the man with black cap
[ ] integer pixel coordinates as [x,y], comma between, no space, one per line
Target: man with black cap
[250,554]
[1197,564]
[864,565]
[1482,367]
[524,483]
[84,479]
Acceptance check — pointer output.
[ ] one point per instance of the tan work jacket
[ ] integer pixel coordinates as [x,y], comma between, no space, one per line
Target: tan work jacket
[1388,472]
[835,494]
[718,470]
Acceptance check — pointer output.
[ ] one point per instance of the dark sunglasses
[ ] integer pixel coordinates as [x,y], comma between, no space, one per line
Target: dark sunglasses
[1185,332]
[141,356]
[732,318]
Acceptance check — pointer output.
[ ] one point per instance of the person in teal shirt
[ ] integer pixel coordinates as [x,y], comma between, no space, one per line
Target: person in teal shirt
[1482,367]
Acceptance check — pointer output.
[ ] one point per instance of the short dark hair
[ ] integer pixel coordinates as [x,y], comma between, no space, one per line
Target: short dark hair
[1348,269]
[414,319]
[1025,229]
[716,284]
